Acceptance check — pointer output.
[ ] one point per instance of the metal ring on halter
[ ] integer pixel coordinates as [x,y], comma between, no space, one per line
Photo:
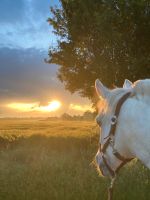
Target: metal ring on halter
[112,143]
[114,120]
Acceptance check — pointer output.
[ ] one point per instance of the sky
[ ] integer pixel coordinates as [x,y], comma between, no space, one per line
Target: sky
[28,86]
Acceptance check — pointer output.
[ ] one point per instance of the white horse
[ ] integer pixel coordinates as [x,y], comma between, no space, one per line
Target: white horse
[131,137]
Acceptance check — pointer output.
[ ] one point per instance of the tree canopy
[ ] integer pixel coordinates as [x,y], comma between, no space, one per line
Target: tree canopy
[105,39]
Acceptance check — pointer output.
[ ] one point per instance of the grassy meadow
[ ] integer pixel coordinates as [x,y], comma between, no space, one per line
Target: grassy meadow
[50,160]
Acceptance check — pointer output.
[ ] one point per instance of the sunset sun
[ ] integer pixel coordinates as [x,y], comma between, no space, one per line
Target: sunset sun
[52,106]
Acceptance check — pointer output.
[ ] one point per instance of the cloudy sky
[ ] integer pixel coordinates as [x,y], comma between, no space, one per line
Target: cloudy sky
[28,86]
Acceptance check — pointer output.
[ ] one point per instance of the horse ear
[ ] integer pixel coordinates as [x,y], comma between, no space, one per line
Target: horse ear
[101,90]
[127,84]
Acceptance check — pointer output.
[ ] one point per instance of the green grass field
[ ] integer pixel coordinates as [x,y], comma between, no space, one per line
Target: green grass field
[50,160]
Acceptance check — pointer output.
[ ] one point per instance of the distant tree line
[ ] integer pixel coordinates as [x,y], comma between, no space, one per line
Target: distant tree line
[87,115]
[105,39]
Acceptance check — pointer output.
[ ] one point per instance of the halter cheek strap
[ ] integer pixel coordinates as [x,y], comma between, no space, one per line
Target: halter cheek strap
[111,141]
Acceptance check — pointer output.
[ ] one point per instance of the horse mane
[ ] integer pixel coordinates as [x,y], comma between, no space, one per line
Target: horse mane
[141,90]
[142,87]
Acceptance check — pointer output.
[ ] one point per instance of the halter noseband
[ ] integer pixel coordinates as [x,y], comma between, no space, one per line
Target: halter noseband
[110,139]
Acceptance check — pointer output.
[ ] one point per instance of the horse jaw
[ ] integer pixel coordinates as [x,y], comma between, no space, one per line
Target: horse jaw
[101,90]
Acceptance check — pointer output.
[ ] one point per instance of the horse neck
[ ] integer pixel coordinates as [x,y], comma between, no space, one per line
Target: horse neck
[133,131]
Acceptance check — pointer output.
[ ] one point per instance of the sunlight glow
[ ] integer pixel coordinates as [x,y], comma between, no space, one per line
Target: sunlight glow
[28,107]
[52,106]
[82,108]
[25,107]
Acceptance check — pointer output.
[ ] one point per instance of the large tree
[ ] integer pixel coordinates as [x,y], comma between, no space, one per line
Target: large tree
[105,39]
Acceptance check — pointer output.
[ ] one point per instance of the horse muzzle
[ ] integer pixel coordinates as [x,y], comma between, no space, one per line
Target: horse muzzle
[101,165]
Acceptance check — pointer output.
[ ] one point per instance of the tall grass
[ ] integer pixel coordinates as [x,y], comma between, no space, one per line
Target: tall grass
[50,160]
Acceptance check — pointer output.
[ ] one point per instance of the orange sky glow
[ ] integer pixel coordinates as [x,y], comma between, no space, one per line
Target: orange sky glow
[27,107]
[52,108]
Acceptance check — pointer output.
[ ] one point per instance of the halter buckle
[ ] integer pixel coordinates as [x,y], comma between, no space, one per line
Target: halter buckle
[114,120]
[111,141]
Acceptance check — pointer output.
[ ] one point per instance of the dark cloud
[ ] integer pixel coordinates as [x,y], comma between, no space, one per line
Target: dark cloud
[25,76]
[12,11]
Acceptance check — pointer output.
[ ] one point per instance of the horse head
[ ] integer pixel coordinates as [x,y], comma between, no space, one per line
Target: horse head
[112,152]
